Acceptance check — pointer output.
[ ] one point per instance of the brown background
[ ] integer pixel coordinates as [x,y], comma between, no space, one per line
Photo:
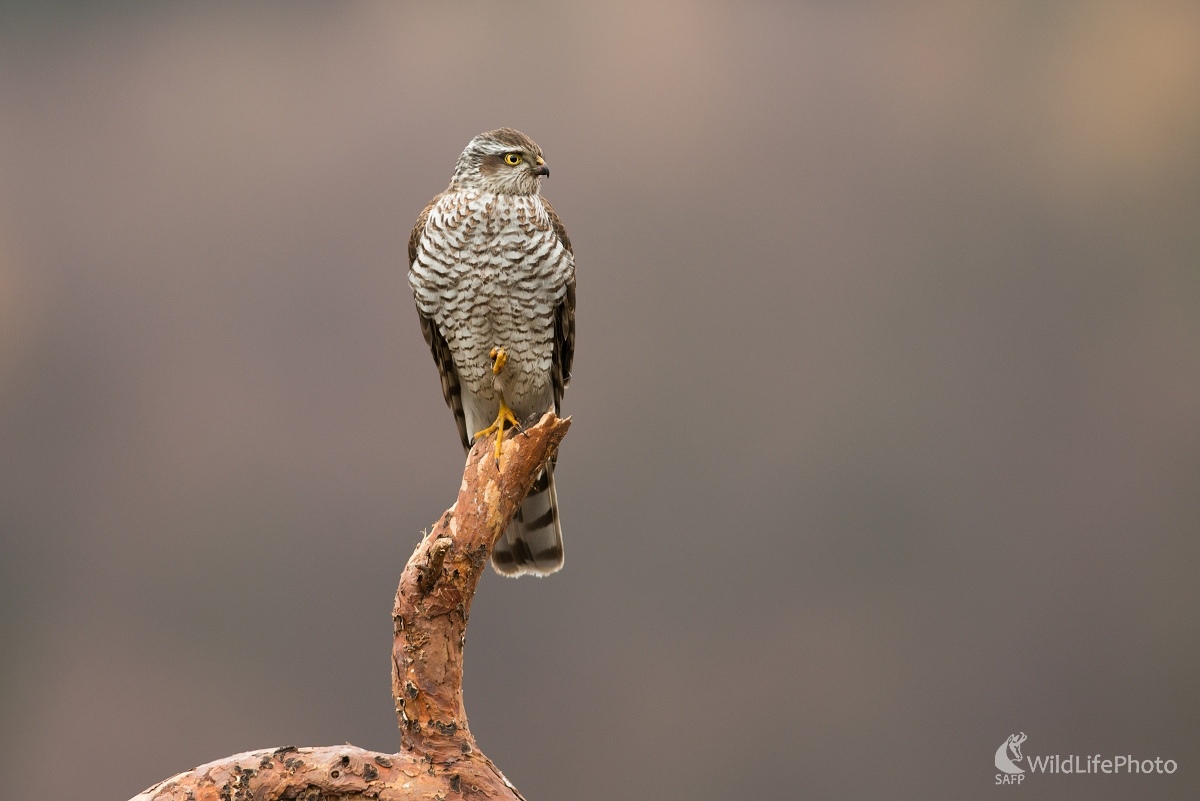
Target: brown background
[887,393]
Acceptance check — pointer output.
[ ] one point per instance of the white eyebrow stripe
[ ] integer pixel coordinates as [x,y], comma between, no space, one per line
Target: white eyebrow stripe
[499,149]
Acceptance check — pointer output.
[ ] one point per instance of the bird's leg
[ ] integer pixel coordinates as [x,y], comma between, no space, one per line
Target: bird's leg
[499,357]
[505,415]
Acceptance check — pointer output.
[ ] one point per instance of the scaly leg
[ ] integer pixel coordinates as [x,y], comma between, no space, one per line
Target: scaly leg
[499,357]
[504,415]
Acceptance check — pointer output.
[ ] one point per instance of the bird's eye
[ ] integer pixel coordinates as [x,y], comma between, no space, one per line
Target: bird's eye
[512,159]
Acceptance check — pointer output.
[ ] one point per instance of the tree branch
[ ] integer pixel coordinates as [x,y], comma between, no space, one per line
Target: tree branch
[438,758]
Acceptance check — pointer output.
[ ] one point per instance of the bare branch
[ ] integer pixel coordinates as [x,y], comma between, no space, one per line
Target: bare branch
[438,757]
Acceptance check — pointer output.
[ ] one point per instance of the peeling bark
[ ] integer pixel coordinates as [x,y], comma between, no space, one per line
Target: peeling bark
[438,758]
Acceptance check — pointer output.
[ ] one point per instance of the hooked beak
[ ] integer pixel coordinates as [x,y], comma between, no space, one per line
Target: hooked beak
[542,168]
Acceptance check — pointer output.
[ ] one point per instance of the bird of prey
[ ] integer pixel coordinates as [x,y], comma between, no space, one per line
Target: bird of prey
[493,275]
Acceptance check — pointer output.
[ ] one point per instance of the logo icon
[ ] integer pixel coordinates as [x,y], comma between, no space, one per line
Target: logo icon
[1013,743]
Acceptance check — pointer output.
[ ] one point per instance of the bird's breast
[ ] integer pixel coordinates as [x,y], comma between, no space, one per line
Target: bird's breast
[491,271]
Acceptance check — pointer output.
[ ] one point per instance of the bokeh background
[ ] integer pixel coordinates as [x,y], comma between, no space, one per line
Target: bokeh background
[886,400]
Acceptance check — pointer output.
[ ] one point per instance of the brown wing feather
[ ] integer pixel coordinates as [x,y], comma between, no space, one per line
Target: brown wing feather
[451,388]
[414,239]
[564,321]
[559,229]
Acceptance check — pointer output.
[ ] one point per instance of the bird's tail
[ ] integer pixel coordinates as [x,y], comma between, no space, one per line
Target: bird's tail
[532,543]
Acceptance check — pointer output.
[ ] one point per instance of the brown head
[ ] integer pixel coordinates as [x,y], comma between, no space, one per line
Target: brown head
[504,161]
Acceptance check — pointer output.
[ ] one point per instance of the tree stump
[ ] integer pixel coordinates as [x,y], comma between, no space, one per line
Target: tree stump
[438,757]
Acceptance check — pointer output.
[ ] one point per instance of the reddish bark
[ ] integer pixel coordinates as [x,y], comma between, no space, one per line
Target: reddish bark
[438,757]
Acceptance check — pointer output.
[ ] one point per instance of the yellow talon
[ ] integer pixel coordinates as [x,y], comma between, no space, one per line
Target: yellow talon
[499,358]
[503,416]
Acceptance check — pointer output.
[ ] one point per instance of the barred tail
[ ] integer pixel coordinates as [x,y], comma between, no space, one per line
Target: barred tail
[532,543]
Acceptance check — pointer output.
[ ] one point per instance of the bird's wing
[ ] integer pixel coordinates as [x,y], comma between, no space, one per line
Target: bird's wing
[564,319]
[451,388]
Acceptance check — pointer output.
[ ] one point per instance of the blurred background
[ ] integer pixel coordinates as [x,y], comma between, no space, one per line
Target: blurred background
[886,396]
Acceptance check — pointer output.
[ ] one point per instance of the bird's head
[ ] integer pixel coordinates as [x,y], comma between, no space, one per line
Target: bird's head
[503,161]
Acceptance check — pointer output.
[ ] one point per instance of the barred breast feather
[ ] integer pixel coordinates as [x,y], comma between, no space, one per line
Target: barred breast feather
[496,270]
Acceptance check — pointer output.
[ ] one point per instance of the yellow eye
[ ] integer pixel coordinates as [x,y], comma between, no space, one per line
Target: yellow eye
[512,159]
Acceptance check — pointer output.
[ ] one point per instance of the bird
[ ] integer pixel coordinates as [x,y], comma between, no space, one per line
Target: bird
[493,275]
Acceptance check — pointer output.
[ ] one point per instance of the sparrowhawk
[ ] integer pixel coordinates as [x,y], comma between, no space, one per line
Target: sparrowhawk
[493,274]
